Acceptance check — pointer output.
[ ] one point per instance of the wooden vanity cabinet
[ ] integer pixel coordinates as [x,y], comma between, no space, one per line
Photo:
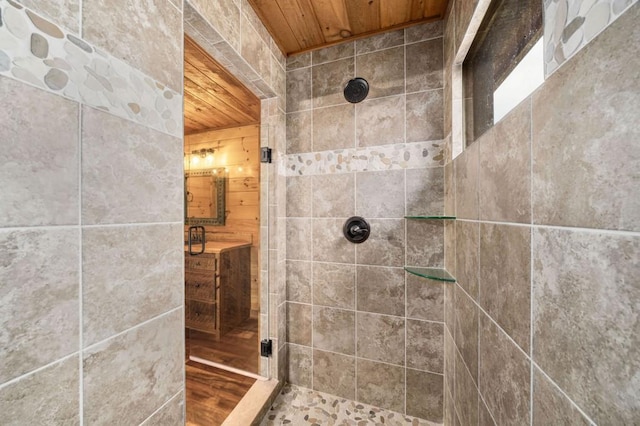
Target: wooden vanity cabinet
[218,288]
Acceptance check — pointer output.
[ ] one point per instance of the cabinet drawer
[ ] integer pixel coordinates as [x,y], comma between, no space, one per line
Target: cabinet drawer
[200,262]
[200,285]
[200,315]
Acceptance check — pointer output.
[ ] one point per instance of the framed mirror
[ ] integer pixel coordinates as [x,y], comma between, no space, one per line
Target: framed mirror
[204,195]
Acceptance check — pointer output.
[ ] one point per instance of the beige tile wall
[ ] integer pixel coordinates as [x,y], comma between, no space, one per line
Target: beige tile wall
[92,275]
[541,326]
[91,280]
[357,326]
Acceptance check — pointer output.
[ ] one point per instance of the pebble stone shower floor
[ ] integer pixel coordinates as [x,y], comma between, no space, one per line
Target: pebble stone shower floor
[299,406]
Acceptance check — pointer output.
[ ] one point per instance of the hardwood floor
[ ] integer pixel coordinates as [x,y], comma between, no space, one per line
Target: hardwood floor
[239,348]
[212,393]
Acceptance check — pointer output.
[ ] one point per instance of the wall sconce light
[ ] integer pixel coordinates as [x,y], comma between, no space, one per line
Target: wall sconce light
[204,154]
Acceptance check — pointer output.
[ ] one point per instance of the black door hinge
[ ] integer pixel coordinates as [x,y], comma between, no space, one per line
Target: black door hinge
[266,348]
[265,155]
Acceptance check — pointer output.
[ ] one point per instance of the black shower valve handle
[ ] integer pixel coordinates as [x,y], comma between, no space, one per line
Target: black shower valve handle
[356,230]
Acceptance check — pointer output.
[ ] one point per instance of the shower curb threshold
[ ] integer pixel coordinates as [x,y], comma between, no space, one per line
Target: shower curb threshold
[255,404]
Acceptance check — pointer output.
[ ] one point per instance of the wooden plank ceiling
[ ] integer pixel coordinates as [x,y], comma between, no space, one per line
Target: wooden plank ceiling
[213,98]
[301,25]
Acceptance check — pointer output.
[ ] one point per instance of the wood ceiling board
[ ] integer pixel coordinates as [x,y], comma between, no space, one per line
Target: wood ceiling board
[394,12]
[213,98]
[364,15]
[190,125]
[210,93]
[302,25]
[208,115]
[202,113]
[435,8]
[333,18]
[418,8]
[200,67]
[303,21]
[278,26]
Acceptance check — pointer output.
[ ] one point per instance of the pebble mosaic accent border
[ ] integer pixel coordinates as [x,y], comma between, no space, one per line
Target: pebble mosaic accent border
[300,406]
[414,155]
[36,51]
[571,24]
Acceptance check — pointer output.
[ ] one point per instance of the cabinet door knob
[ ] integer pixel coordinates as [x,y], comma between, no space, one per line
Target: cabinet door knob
[198,285]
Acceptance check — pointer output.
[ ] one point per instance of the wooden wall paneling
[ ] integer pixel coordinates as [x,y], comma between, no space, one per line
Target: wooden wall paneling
[247,198]
[244,184]
[223,134]
[243,189]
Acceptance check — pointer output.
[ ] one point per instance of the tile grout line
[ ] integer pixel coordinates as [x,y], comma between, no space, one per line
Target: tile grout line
[135,327]
[404,275]
[129,225]
[481,399]
[355,249]
[531,261]
[554,384]
[556,227]
[313,212]
[342,104]
[37,370]
[312,291]
[80,275]
[355,288]
[494,322]
[371,360]
[171,398]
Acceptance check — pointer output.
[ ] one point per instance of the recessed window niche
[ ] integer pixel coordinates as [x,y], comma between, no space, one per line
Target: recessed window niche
[504,65]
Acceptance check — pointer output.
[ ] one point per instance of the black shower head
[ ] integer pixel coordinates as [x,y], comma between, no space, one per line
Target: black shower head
[356,90]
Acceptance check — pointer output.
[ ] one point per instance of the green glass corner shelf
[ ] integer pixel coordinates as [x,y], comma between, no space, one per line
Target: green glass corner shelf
[437,274]
[430,217]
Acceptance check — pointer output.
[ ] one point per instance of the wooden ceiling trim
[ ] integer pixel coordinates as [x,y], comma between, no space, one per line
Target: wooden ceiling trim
[299,26]
[365,35]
